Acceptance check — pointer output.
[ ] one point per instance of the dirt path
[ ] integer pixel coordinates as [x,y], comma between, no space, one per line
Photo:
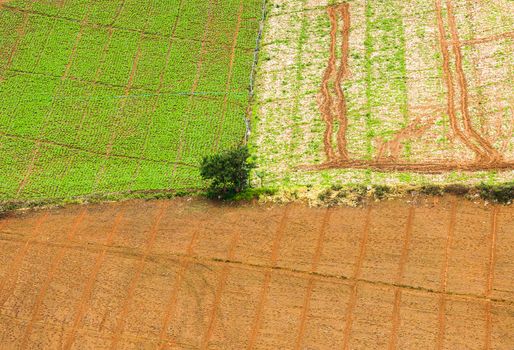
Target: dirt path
[334,107]
[492,155]
[325,98]
[343,73]
[189,274]
[450,86]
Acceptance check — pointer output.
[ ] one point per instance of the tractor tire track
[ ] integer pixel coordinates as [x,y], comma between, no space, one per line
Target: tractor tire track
[56,264]
[164,340]
[477,74]
[82,305]
[488,39]
[448,78]
[358,266]
[492,155]
[435,167]
[120,325]
[259,314]
[444,276]
[393,341]
[394,147]
[325,98]
[219,291]
[310,287]
[343,73]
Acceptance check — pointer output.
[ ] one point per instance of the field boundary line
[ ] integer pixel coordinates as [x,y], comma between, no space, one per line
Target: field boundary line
[36,152]
[358,266]
[444,275]
[310,287]
[210,15]
[229,76]
[56,262]
[122,315]
[219,290]
[278,270]
[186,260]
[117,14]
[492,250]
[80,149]
[253,72]
[171,40]
[21,32]
[119,28]
[47,39]
[256,324]
[88,288]
[490,278]
[10,279]
[393,341]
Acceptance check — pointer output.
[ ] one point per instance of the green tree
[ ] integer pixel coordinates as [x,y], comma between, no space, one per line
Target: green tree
[228,172]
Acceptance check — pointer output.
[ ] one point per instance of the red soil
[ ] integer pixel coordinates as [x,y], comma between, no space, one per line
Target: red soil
[188,274]
[331,107]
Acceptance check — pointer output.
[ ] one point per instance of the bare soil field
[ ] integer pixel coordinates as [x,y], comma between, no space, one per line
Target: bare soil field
[186,274]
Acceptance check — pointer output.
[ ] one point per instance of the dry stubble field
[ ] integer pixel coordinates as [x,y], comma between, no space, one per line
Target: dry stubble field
[187,275]
[386,92]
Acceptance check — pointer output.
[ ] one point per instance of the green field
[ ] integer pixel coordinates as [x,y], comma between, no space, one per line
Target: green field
[106,96]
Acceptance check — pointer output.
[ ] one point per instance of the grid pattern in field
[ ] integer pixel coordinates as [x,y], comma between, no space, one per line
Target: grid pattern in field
[190,275]
[400,87]
[108,96]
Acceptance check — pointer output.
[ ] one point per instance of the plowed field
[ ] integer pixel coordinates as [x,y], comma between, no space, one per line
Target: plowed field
[437,273]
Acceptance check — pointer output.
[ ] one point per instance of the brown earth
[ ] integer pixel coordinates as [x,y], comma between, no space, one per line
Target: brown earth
[186,274]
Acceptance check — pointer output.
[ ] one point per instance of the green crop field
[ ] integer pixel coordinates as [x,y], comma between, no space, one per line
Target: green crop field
[105,96]
[388,92]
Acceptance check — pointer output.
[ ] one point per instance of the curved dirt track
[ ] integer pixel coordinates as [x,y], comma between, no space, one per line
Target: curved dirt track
[186,274]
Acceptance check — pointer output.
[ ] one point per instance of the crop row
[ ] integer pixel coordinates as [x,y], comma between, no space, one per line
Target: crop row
[118,103]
